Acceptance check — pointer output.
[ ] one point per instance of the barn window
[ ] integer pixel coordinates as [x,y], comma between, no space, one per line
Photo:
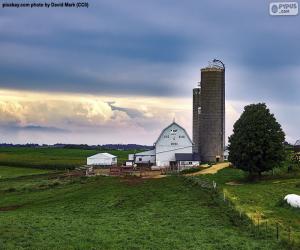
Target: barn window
[140,159]
[181,136]
[174,143]
[173,131]
[190,163]
[166,136]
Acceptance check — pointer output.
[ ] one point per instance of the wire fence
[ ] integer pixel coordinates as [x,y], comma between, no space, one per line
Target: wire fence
[257,225]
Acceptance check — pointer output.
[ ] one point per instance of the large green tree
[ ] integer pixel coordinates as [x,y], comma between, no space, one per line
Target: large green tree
[257,142]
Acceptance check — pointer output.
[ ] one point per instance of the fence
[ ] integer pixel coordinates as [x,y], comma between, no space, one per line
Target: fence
[256,224]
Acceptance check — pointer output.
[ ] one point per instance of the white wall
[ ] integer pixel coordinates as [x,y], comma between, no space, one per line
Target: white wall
[173,139]
[145,157]
[131,157]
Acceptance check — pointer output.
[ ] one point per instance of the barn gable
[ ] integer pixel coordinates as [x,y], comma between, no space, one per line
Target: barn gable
[175,131]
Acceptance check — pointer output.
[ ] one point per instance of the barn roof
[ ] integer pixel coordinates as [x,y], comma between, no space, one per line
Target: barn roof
[102,155]
[187,157]
[173,123]
[146,153]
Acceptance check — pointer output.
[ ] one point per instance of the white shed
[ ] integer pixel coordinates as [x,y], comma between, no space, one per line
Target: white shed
[146,157]
[102,159]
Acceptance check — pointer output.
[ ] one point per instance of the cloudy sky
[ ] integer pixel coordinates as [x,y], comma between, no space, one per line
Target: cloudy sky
[121,70]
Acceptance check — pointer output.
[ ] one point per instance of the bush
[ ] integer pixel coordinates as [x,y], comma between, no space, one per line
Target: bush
[11,189]
[190,170]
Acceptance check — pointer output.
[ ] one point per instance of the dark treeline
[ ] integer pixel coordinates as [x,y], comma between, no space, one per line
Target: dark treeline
[82,146]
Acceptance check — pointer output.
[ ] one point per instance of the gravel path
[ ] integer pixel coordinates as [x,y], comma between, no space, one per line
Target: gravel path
[212,170]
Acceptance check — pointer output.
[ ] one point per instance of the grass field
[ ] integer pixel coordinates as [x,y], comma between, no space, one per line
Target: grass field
[42,209]
[262,200]
[51,212]
[11,172]
[51,158]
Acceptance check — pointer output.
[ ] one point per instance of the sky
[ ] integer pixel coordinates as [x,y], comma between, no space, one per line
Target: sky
[122,70]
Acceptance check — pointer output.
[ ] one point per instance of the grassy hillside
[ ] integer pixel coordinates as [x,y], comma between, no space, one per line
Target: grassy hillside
[262,200]
[51,158]
[50,212]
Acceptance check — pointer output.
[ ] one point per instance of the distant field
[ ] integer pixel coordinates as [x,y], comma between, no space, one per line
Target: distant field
[40,212]
[262,200]
[51,158]
[11,172]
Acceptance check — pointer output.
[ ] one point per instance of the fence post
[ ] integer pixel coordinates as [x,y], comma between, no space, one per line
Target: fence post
[224,196]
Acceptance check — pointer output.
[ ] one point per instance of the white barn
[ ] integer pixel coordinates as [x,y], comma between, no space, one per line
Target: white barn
[172,140]
[102,159]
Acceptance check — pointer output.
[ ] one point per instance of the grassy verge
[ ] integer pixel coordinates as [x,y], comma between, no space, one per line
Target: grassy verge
[117,213]
[262,200]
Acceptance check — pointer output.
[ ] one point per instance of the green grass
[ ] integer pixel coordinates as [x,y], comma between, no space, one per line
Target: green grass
[50,212]
[11,172]
[51,158]
[263,198]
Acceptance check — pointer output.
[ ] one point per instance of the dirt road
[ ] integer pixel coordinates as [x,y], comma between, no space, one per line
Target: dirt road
[212,170]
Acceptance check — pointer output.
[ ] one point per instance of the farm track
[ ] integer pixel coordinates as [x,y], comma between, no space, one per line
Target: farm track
[212,170]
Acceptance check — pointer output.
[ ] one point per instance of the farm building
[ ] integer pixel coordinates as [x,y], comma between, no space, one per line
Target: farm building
[102,159]
[226,154]
[172,140]
[209,113]
[186,161]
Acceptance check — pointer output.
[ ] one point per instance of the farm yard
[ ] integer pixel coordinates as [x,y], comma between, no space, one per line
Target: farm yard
[47,209]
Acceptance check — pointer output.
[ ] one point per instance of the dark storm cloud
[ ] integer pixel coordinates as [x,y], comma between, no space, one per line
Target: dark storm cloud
[132,113]
[151,48]
[33,128]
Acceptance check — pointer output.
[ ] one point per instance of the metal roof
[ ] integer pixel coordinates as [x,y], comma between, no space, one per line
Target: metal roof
[102,155]
[187,157]
[146,153]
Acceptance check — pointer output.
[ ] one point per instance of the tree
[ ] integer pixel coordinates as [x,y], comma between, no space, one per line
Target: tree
[257,142]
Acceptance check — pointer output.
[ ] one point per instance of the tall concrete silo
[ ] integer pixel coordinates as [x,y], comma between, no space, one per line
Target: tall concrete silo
[211,118]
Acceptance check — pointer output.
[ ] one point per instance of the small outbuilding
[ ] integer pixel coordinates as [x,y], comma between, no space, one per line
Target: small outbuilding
[226,154]
[187,160]
[102,159]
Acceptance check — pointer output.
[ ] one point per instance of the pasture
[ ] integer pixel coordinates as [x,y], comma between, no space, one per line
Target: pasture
[52,158]
[262,200]
[52,211]
[12,172]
